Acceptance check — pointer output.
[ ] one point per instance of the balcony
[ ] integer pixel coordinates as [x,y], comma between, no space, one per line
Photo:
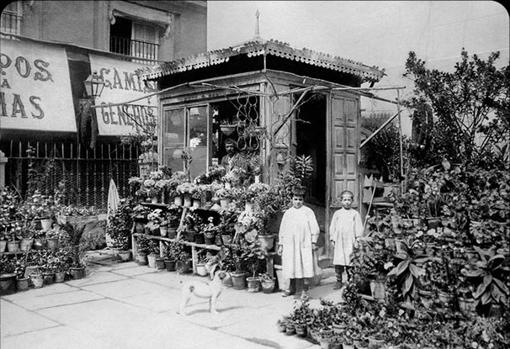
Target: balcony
[135,50]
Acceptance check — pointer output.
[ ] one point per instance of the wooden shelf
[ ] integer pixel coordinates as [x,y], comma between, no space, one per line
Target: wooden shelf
[187,243]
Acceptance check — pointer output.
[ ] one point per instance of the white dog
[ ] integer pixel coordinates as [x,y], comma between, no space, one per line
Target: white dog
[201,289]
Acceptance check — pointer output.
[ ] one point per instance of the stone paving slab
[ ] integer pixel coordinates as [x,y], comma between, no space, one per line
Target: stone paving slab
[262,329]
[16,320]
[125,288]
[156,301]
[47,301]
[99,277]
[44,291]
[135,270]
[54,338]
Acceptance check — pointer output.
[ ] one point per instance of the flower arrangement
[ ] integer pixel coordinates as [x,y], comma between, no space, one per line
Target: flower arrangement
[185,188]
[223,193]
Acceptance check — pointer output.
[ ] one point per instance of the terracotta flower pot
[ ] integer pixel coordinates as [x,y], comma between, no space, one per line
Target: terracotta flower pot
[239,280]
[201,270]
[169,265]
[160,263]
[268,285]
[37,280]
[48,278]
[7,283]
[300,330]
[3,245]
[227,281]
[46,224]
[266,241]
[125,256]
[60,276]
[22,284]
[141,258]
[151,259]
[26,244]
[13,246]
[163,230]
[253,284]
[171,232]
[183,267]
[178,201]
[77,272]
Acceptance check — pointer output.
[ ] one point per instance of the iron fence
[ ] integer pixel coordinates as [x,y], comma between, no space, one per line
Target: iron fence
[84,174]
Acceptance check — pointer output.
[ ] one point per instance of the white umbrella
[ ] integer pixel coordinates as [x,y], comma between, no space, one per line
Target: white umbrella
[113,204]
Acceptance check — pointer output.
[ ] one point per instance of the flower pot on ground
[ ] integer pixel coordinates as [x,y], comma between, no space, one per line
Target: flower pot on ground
[125,256]
[227,281]
[169,265]
[201,271]
[160,263]
[13,246]
[281,325]
[37,280]
[290,329]
[22,284]
[3,245]
[253,284]
[7,283]
[141,258]
[48,278]
[25,245]
[77,272]
[268,283]
[183,266]
[239,280]
[300,330]
[151,259]
[60,276]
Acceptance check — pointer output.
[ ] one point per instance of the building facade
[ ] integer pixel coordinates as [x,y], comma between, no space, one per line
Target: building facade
[48,49]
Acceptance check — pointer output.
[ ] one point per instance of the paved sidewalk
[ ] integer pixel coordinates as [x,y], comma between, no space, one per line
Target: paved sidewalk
[124,305]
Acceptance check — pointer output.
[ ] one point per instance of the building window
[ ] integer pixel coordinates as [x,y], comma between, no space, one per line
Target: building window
[135,39]
[10,21]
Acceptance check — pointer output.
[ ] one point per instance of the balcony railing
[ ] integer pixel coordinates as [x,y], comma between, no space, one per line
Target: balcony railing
[10,23]
[146,51]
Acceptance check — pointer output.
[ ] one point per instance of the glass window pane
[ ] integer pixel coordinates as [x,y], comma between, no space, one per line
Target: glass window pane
[198,139]
[173,138]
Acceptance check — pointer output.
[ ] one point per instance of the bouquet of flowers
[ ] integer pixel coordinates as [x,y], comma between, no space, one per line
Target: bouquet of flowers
[185,188]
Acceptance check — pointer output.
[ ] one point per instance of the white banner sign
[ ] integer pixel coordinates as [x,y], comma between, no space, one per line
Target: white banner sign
[122,84]
[35,89]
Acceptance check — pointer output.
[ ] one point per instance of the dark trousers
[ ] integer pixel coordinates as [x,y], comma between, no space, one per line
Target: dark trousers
[297,285]
[339,270]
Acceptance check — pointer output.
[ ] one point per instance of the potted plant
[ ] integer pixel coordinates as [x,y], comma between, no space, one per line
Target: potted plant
[239,273]
[224,195]
[489,275]
[173,220]
[186,189]
[142,249]
[183,265]
[52,239]
[153,253]
[27,238]
[252,256]
[200,266]
[7,275]
[172,253]
[267,282]
[22,282]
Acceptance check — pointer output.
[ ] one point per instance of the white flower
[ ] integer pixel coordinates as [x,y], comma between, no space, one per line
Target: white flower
[194,142]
